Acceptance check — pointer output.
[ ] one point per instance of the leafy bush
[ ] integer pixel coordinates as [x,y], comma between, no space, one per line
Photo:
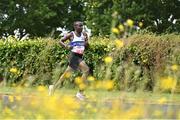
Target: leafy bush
[142,61]
[37,59]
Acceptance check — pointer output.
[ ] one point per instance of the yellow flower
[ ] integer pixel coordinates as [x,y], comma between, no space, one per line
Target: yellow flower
[14,85]
[82,86]
[39,117]
[168,83]
[19,89]
[140,24]
[11,98]
[8,111]
[94,110]
[90,78]
[108,59]
[130,23]
[121,28]
[13,70]
[41,88]
[135,112]
[26,85]
[78,80]
[109,84]
[115,30]
[174,67]
[98,85]
[162,100]
[119,43]
[70,102]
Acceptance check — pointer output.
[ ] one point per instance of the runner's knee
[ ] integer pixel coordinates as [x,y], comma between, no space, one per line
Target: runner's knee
[86,70]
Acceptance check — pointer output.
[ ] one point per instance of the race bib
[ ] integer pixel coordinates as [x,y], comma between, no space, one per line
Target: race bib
[78,49]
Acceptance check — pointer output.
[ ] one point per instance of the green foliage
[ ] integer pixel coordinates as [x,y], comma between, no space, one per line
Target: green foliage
[38,18]
[144,61]
[42,17]
[38,58]
[138,65]
[163,13]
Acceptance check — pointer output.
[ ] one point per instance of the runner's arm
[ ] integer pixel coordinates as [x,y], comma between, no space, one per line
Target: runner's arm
[86,40]
[62,40]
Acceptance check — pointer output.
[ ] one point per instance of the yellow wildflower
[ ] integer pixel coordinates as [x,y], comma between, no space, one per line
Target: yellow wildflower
[26,85]
[130,22]
[8,111]
[94,110]
[11,98]
[90,78]
[19,89]
[41,88]
[108,59]
[70,102]
[82,86]
[14,85]
[121,28]
[115,30]
[39,117]
[135,112]
[168,83]
[119,43]
[13,70]
[140,24]
[174,67]
[108,84]
[78,80]
[162,100]
[98,85]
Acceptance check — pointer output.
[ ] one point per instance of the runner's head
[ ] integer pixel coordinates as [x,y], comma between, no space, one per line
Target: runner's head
[78,26]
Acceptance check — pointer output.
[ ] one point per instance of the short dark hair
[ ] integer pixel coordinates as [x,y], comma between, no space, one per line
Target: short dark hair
[76,22]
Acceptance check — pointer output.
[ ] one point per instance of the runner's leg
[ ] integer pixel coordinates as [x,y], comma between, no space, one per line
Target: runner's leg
[85,70]
[61,79]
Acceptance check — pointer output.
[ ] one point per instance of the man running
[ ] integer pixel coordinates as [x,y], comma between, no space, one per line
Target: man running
[78,43]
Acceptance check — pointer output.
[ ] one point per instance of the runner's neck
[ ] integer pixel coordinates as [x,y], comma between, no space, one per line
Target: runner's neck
[78,34]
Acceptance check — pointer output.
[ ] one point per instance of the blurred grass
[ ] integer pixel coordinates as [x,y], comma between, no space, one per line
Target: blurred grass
[100,104]
[100,95]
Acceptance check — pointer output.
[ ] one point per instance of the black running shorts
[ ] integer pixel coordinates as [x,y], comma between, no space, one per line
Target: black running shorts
[74,60]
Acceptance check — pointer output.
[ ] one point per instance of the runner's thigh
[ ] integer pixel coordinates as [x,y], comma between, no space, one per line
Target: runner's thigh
[83,66]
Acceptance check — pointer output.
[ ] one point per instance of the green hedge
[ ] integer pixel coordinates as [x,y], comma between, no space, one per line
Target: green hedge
[39,57]
[143,60]
[146,59]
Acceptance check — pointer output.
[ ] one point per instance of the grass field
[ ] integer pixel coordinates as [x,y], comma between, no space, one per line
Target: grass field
[101,94]
[35,103]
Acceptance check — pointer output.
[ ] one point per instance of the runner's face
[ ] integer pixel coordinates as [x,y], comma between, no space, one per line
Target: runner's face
[78,27]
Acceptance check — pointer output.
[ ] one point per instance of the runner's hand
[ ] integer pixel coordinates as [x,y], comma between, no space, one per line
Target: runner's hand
[68,47]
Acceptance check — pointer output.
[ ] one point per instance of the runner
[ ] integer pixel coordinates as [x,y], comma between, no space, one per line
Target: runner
[78,43]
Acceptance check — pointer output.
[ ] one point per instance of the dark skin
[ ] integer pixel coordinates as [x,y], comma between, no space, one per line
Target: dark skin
[78,27]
